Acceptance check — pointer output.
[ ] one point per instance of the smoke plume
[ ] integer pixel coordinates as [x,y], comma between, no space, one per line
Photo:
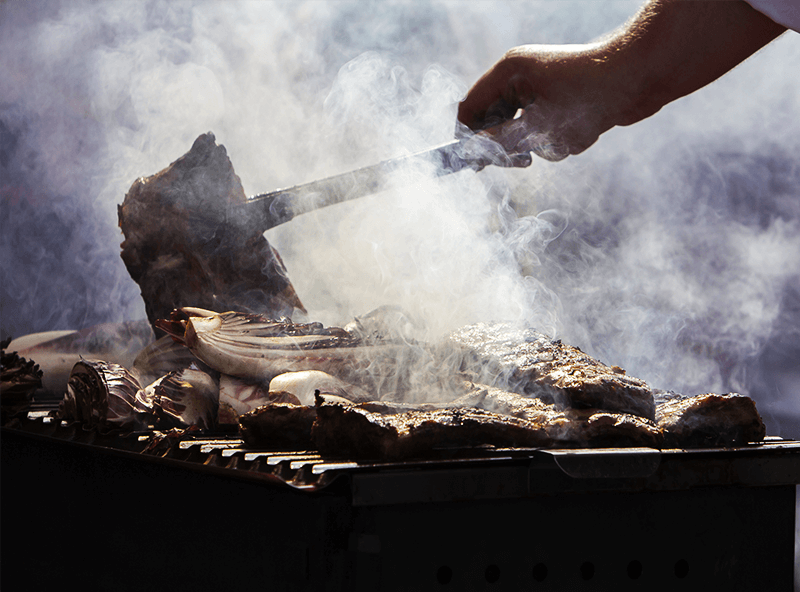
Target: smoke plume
[669,248]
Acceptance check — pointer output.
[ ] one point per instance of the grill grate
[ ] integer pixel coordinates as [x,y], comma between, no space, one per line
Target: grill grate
[503,472]
[499,519]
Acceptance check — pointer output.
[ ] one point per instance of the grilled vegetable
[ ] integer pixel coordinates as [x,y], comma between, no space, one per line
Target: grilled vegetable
[20,378]
[104,394]
[304,384]
[253,347]
[184,398]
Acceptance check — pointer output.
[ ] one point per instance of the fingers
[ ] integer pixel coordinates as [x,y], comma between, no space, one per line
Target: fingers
[491,100]
[558,116]
[527,133]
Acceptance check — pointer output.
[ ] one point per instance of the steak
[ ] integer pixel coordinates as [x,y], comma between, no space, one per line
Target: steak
[280,425]
[361,431]
[526,361]
[709,420]
[184,247]
[569,428]
[485,416]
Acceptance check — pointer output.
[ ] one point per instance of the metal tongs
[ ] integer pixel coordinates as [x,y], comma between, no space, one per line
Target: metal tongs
[475,152]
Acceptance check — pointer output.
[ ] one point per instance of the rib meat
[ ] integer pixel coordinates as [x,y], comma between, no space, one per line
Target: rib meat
[570,428]
[529,362]
[709,420]
[362,431]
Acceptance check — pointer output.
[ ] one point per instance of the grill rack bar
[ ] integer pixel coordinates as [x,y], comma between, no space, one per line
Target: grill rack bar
[509,472]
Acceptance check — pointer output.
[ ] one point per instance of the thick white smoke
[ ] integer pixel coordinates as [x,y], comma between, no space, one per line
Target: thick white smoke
[669,248]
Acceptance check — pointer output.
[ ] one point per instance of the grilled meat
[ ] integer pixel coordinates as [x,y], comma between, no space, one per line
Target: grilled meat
[589,428]
[363,432]
[709,420]
[183,247]
[525,361]
[279,425]
[484,416]
[569,427]
[285,420]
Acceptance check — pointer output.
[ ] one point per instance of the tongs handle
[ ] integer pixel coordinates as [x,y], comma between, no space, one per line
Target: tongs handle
[268,210]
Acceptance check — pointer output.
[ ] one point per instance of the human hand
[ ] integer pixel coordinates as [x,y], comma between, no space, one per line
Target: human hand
[565,96]
[570,94]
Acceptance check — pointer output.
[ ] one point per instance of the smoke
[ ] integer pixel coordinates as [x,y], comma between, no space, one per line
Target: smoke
[669,248]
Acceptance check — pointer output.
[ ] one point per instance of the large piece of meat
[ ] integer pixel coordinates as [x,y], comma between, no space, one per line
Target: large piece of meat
[484,416]
[569,428]
[709,420]
[184,247]
[526,361]
[368,431]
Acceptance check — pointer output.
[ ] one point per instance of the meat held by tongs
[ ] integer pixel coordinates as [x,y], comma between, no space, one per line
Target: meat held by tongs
[183,247]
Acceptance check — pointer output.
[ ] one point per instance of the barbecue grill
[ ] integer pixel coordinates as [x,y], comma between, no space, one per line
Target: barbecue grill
[125,511]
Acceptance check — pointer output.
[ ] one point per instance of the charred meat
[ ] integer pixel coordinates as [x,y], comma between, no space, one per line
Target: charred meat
[363,432]
[184,247]
[279,425]
[529,362]
[570,428]
[709,420]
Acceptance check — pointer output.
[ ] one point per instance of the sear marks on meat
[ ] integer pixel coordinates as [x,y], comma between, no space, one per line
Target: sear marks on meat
[569,428]
[529,362]
[486,416]
[589,428]
[362,432]
[709,420]
[279,425]
[285,421]
[183,248]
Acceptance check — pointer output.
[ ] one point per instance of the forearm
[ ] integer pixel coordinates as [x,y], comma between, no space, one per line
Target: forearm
[572,94]
[674,47]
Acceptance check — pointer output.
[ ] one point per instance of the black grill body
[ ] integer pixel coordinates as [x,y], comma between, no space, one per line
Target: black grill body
[80,508]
